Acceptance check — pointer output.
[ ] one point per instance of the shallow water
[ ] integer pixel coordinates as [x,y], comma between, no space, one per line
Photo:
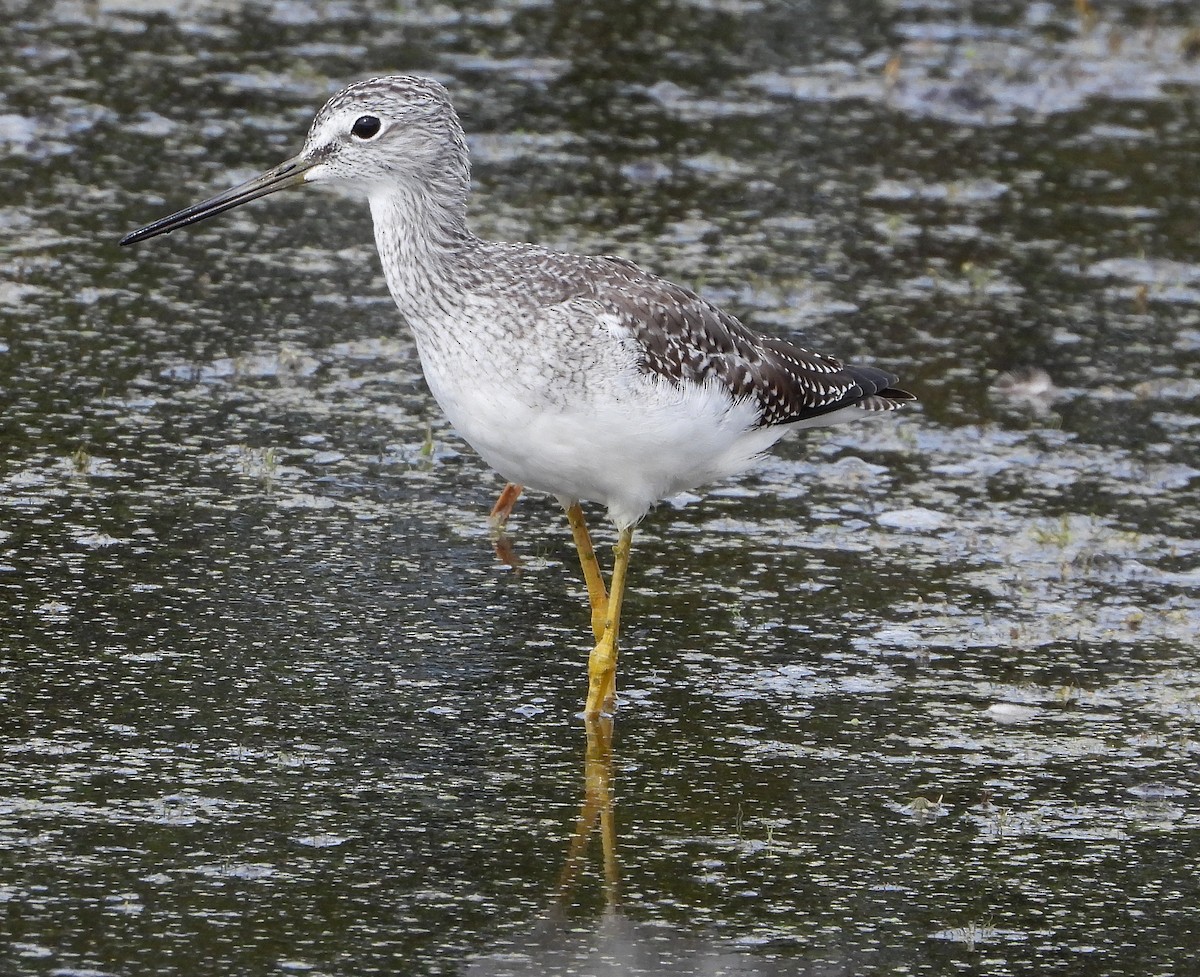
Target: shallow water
[913,696]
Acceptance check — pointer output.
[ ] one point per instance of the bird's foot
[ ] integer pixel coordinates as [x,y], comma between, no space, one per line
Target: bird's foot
[602,677]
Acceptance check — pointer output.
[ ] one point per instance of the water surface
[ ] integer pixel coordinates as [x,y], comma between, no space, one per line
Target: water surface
[918,696]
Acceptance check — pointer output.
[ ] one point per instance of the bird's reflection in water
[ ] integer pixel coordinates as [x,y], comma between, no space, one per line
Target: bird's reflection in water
[615,944]
[596,810]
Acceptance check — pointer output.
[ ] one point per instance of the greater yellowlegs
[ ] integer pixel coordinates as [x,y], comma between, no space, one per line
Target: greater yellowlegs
[586,378]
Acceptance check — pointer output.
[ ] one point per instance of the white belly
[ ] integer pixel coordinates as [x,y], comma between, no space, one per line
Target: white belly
[626,447]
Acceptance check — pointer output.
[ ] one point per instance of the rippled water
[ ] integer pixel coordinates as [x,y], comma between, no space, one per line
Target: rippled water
[913,696]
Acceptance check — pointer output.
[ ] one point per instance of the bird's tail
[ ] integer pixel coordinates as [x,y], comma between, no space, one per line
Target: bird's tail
[878,392]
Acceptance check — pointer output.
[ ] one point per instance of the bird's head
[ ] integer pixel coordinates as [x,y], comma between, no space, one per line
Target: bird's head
[394,132]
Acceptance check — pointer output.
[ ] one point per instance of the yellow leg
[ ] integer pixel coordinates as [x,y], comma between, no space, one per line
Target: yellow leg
[504,505]
[498,519]
[602,665]
[597,594]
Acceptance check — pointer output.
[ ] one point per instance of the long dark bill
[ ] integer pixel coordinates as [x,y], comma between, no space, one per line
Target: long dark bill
[287,174]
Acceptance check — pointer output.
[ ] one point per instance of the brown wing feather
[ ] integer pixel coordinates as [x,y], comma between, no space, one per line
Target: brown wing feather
[683,337]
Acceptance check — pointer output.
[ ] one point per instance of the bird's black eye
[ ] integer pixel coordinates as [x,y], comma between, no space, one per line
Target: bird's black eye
[366,126]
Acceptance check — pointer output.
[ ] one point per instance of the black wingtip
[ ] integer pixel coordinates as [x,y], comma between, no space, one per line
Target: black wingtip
[878,383]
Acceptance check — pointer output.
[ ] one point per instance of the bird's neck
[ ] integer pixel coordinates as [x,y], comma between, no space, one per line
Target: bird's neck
[422,237]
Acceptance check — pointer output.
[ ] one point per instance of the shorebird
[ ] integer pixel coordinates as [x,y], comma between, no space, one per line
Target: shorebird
[585,378]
